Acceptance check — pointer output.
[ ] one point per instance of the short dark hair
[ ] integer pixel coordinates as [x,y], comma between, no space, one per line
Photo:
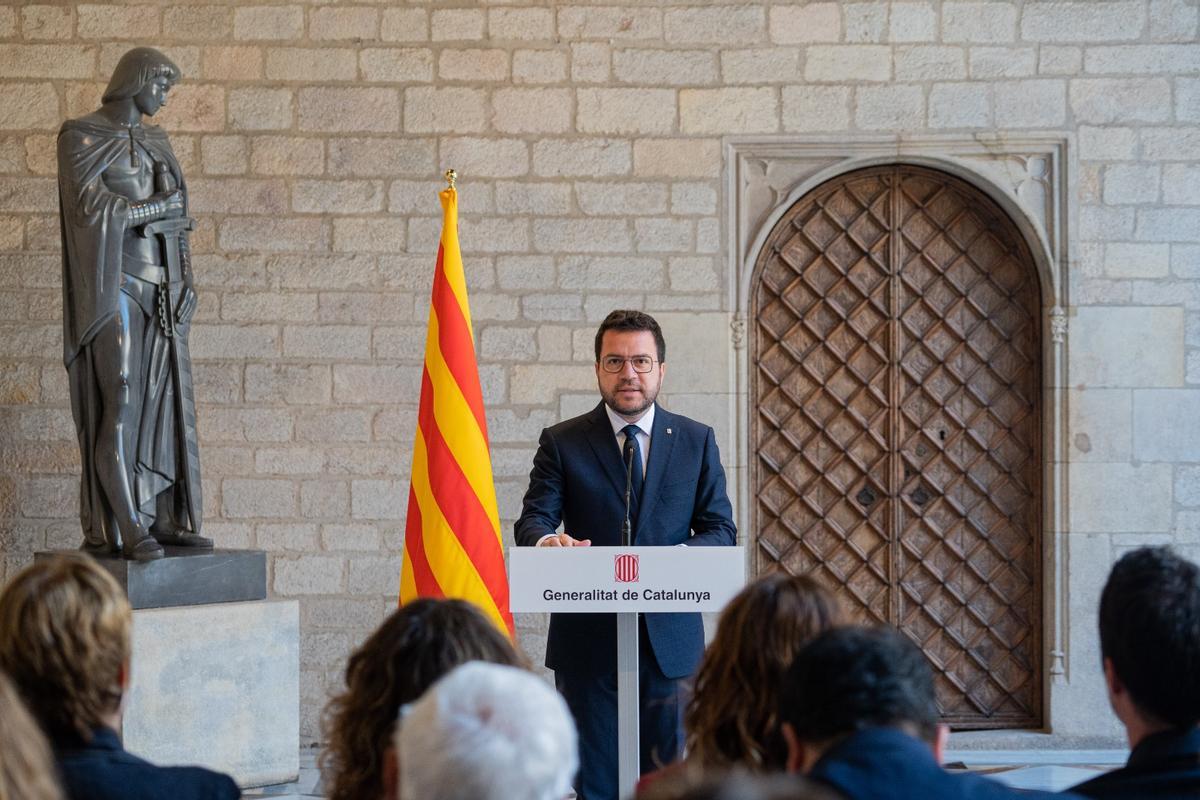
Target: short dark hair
[852,678]
[630,320]
[1150,628]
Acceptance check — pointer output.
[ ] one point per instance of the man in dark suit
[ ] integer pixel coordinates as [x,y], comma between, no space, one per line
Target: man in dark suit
[1150,644]
[578,480]
[859,715]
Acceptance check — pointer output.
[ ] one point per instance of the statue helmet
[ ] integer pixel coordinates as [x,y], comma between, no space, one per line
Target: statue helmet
[135,69]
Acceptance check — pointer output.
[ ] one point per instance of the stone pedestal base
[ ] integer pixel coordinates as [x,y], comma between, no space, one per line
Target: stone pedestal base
[187,576]
[218,686]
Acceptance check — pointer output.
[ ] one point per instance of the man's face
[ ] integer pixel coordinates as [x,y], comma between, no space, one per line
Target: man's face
[153,96]
[627,391]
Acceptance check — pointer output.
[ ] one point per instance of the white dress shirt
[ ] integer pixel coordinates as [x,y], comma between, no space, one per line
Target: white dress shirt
[645,425]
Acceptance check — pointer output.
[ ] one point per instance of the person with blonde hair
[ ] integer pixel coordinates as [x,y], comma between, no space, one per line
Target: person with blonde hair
[65,642]
[26,766]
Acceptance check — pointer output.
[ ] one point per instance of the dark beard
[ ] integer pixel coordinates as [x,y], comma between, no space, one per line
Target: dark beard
[646,401]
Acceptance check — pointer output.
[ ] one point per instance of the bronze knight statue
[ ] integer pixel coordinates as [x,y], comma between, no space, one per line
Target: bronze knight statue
[127,307]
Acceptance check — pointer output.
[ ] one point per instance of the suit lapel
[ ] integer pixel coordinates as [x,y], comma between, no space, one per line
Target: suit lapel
[660,455]
[604,445]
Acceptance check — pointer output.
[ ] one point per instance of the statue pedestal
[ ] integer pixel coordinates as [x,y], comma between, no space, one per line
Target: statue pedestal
[218,686]
[215,678]
[188,577]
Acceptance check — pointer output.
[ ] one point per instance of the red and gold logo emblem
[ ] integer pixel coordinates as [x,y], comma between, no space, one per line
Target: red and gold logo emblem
[626,566]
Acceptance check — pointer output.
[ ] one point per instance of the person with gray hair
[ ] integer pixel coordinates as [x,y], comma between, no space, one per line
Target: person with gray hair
[487,732]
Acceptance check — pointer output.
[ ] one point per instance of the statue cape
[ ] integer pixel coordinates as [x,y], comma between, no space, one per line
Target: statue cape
[93,220]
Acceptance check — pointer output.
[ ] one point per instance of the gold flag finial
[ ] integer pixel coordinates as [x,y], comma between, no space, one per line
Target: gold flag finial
[451,177]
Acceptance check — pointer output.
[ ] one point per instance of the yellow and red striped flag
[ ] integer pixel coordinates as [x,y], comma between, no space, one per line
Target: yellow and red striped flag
[452,544]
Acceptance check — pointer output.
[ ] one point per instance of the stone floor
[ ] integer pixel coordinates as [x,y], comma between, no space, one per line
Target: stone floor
[1045,770]
[1077,766]
[305,787]
[1040,777]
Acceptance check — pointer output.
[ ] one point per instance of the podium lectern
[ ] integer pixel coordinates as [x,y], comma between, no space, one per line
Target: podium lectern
[625,581]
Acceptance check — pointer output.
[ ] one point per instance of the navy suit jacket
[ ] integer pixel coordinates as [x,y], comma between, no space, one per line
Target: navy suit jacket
[102,770]
[1163,766]
[885,763]
[578,479]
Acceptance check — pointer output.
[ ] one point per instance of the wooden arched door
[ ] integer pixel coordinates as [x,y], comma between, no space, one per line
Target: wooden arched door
[896,378]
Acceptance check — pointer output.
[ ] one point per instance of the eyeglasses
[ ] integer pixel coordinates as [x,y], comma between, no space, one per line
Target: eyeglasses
[615,364]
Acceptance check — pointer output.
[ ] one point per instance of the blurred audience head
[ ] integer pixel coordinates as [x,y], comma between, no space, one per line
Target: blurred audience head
[65,643]
[732,717]
[416,645]
[851,679]
[734,785]
[487,732]
[26,765]
[1150,641]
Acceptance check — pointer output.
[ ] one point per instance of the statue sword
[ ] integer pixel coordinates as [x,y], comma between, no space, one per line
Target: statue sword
[168,232]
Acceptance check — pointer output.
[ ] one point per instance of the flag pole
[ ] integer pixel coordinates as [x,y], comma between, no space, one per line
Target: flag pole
[451,176]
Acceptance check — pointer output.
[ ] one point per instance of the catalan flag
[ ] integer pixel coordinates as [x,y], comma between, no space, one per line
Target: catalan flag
[452,545]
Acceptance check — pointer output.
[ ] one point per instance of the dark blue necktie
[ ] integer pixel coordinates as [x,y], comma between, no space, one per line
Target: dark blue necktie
[634,448]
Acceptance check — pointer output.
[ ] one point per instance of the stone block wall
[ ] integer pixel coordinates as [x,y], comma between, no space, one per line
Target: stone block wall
[588,137]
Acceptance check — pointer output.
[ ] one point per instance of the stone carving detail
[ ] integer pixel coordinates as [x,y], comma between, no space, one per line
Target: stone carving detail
[1057,663]
[738,331]
[769,173]
[1058,325]
[1027,176]
[766,184]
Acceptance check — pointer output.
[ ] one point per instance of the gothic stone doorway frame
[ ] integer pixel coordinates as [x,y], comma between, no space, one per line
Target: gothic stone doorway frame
[1027,177]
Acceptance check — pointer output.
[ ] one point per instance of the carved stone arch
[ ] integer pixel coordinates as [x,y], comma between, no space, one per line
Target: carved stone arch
[1031,222]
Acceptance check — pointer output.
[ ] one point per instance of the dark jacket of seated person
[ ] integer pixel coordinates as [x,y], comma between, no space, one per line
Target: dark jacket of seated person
[102,770]
[859,713]
[1163,766]
[884,763]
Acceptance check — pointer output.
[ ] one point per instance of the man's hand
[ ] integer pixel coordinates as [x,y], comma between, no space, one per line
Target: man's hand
[563,540]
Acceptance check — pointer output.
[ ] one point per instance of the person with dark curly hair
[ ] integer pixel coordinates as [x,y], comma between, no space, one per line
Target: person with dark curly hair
[732,716]
[1150,646]
[408,653]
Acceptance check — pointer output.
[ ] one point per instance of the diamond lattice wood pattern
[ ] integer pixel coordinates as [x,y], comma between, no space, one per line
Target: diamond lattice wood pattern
[897,380]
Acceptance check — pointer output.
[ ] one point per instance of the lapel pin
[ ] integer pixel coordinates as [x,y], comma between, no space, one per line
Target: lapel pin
[668,431]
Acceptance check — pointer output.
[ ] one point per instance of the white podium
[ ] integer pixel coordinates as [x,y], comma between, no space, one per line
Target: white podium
[625,581]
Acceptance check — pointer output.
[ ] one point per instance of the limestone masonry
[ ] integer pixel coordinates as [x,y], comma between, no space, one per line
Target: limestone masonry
[591,145]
